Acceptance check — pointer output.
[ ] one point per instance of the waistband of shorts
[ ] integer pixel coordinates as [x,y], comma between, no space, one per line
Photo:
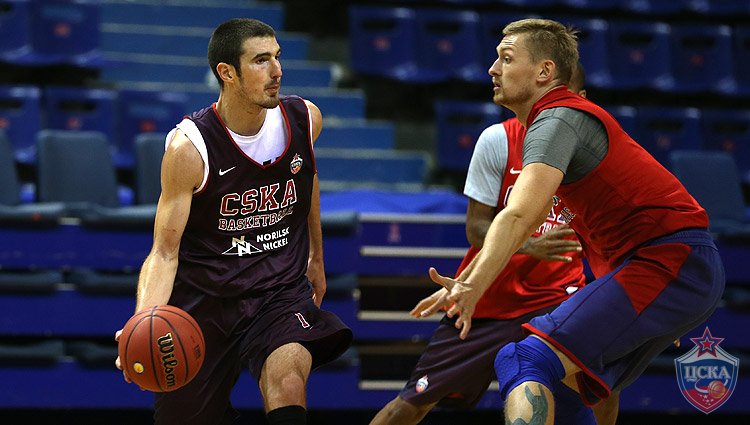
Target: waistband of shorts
[690,236]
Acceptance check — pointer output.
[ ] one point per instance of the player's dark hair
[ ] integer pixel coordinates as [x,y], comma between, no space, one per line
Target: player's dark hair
[226,42]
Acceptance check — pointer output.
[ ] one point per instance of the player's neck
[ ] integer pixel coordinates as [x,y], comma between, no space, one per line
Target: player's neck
[246,120]
[523,111]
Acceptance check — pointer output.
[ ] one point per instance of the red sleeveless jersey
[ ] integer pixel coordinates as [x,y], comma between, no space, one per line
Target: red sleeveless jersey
[627,200]
[526,284]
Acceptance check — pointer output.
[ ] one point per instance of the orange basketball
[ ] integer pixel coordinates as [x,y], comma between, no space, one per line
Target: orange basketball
[716,389]
[161,348]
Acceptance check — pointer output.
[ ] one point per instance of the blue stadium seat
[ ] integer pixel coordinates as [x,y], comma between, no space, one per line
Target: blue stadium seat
[702,58]
[742,58]
[383,41]
[20,118]
[627,117]
[712,178]
[662,130]
[459,125]
[729,130]
[145,112]
[593,49]
[75,167]
[149,151]
[78,109]
[492,24]
[449,46]
[15,31]
[654,7]
[639,55]
[719,7]
[532,3]
[65,32]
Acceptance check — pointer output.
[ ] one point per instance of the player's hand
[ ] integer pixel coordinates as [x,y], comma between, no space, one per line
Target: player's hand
[430,305]
[551,245]
[317,275]
[464,297]
[118,364]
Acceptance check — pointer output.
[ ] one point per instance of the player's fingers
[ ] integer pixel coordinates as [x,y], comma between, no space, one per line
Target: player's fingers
[117,335]
[118,364]
[420,307]
[466,326]
[559,233]
[560,258]
[435,306]
[443,281]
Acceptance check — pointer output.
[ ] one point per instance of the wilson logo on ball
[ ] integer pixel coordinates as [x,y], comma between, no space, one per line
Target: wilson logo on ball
[166,347]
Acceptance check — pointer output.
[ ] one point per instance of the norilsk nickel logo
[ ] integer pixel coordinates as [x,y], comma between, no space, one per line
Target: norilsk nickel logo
[707,374]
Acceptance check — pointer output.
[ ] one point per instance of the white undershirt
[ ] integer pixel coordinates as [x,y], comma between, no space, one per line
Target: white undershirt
[270,141]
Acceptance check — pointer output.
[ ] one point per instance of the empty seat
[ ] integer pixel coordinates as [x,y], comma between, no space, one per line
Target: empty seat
[459,125]
[742,58]
[718,7]
[12,211]
[145,112]
[593,49]
[702,58]
[76,168]
[20,119]
[591,4]
[149,151]
[712,178]
[449,46]
[15,31]
[639,55]
[357,134]
[65,32]
[78,109]
[662,130]
[728,130]
[383,41]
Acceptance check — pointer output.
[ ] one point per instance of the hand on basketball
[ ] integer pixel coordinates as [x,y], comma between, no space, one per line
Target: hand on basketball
[118,364]
[552,244]
[464,298]
[430,305]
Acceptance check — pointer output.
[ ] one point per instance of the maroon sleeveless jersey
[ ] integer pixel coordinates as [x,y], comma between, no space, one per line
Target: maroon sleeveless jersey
[629,199]
[247,230]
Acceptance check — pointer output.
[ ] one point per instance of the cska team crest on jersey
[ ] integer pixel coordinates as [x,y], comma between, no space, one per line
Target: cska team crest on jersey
[296,164]
[707,374]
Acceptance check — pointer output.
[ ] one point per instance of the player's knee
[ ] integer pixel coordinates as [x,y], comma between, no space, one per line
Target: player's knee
[291,383]
[527,360]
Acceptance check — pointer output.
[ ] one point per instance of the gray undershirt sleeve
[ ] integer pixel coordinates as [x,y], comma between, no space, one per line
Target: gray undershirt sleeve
[570,140]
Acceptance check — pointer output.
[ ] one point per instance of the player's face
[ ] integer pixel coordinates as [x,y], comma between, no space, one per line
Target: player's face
[513,73]
[260,80]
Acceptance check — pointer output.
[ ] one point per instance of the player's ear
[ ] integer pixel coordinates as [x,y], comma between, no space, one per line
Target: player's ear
[546,70]
[225,71]
[582,93]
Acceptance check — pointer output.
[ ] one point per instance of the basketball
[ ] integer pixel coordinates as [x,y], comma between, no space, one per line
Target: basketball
[161,348]
[716,389]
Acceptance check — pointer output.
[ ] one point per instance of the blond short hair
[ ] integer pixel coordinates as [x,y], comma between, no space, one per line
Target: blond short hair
[547,39]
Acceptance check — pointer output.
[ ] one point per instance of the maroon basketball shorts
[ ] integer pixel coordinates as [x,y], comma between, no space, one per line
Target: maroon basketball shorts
[240,334]
[617,324]
[456,373]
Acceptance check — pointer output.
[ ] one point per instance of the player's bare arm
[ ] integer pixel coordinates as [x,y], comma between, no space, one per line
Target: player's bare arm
[315,267]
[528,206]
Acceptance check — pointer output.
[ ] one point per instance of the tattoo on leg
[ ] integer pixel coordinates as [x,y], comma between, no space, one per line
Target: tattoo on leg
[539,408]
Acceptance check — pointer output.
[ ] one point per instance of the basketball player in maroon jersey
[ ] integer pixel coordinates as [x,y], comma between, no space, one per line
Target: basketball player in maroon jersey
[545,271]
[658,272]
[237,237]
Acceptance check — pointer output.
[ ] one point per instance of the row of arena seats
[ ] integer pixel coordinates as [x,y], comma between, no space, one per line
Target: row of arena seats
[655,7]
[660,130]
[427,45]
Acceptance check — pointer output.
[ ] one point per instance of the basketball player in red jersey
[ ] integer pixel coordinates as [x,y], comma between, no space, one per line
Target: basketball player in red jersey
[658,272]
[237,237]
[545,271]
